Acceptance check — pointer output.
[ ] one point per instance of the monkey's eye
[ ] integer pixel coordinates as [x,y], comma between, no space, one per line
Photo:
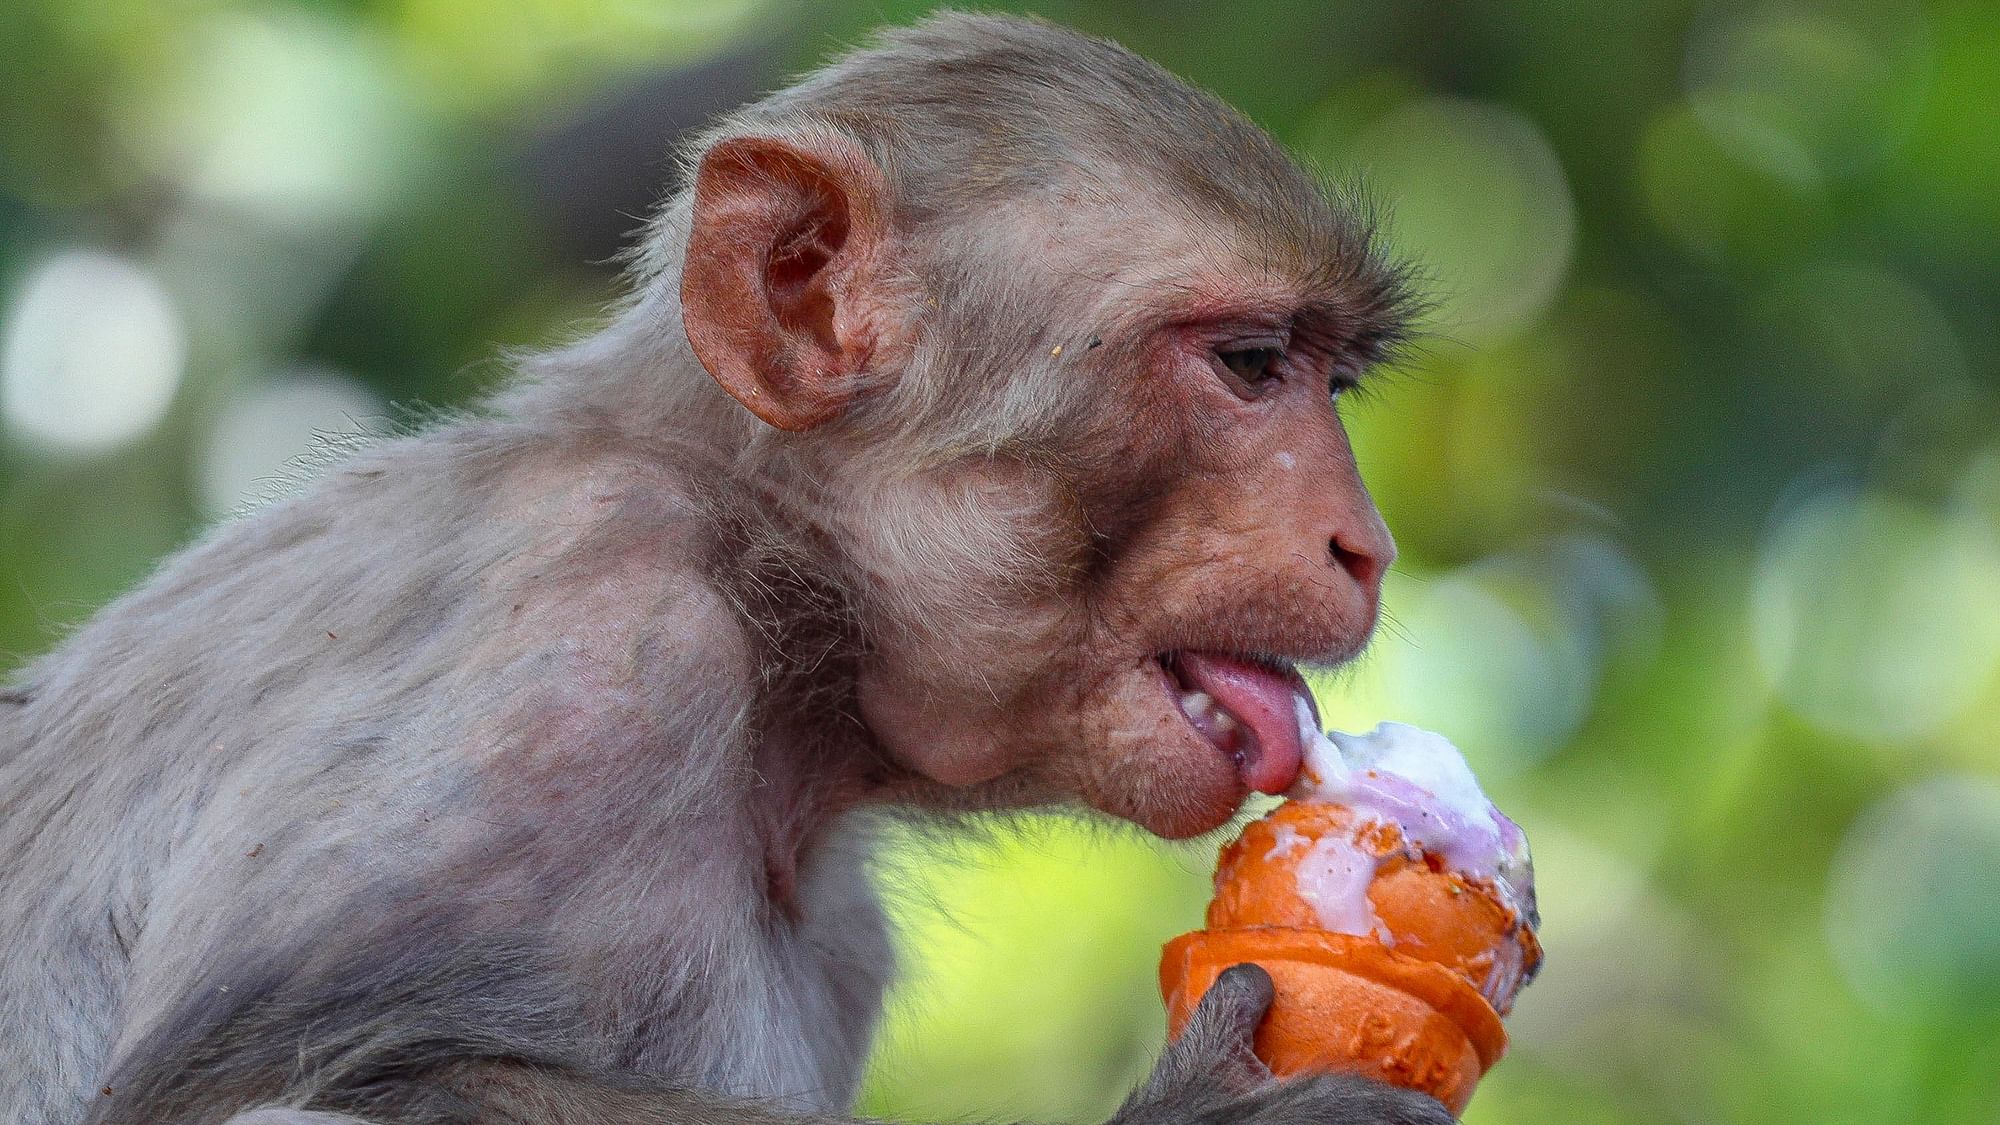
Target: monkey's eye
[1254,366]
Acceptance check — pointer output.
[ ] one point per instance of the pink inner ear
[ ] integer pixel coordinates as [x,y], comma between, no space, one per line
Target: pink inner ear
[794,277]
[809,248]
[781,238]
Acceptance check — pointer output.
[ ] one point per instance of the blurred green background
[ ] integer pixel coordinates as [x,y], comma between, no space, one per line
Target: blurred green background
[1697,483]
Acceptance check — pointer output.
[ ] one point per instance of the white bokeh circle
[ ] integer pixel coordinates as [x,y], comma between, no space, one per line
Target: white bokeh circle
[268,433]
[91,353]
[1912,910]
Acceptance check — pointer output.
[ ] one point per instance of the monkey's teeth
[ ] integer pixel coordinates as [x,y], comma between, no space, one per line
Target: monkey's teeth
[1209,719]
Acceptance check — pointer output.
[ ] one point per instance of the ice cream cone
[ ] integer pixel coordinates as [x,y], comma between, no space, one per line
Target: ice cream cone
[1413,996]
[1346,1003]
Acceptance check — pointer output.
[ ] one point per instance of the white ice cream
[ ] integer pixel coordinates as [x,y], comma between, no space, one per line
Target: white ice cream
[1417,781]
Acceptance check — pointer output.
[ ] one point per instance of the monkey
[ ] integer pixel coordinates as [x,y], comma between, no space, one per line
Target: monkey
[973,413]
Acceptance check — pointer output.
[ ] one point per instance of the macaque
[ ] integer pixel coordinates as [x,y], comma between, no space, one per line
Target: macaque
[968,443]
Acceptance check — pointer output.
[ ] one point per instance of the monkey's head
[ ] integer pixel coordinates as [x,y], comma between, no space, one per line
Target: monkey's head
[1055,343]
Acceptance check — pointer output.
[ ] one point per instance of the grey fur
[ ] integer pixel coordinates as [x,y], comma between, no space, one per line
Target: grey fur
[453,788]
[273,1115]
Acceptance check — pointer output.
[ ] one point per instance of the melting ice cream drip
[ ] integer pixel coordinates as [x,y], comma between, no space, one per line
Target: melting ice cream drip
[1417,781]
[1333,876]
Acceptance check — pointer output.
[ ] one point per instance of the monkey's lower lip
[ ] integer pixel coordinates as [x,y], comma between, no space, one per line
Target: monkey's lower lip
[1246,707]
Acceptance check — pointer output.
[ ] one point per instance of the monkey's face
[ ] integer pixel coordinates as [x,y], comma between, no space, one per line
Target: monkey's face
[1151,671]
[1112,610]
[1262,549]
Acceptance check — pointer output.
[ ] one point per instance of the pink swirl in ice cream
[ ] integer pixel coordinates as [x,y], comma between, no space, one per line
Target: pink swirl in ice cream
[1416,782]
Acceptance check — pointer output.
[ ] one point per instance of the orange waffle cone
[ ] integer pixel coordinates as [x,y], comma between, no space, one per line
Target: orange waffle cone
[1346,1003]
[1404,1002]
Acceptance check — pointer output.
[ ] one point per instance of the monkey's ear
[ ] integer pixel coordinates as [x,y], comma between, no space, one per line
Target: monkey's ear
[775,291]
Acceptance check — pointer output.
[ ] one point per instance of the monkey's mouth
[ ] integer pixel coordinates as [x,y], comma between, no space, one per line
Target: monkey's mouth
[1247,708]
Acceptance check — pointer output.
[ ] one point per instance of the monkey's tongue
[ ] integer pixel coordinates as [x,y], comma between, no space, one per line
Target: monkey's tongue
[1257,699]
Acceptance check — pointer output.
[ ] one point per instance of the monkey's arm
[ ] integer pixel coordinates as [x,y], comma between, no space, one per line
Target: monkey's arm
[514,1076]
[1209,1074]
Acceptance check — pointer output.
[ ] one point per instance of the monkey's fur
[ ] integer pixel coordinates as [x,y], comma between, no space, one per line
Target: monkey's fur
[527,768]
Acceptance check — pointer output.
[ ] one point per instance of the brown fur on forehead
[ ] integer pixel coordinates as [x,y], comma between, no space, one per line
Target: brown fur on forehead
[1294,259]
[967,114]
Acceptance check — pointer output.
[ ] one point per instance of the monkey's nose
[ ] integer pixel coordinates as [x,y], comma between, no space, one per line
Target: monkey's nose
[1364,555]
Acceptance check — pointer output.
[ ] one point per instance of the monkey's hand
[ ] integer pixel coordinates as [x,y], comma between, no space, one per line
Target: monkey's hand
[1210,1075]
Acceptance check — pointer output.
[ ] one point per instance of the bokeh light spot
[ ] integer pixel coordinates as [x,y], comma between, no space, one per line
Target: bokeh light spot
[1502,656]
[471,54]
[1479,200]
[1499,661]
[1809,93]
[267,435]
[91,353]
[1713,203]
[1879,336]
[1875,618]
[1618,949]
[293,117]
[1913,897]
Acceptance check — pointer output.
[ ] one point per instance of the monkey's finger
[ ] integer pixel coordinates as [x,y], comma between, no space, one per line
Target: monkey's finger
[1234,1005]
[1219,1033]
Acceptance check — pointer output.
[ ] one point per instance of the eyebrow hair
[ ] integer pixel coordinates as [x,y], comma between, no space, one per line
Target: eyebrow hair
[1365,324]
